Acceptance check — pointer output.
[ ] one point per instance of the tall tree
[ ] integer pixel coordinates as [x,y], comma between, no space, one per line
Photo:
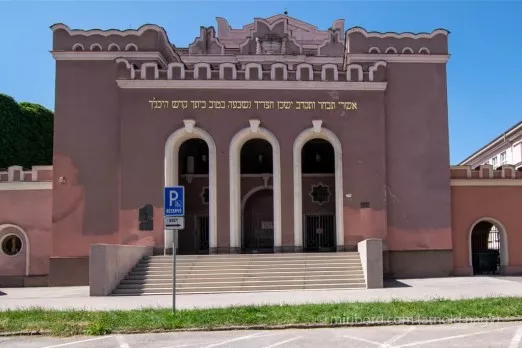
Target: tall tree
[26,133]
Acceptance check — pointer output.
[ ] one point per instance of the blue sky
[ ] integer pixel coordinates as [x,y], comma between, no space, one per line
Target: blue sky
[484,77]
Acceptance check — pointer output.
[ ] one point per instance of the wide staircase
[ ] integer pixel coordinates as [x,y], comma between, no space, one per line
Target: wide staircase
[244,273]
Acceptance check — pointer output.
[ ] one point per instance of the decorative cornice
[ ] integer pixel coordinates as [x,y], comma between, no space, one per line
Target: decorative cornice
[25,185]
[399,58]
[267,85]
[269,58]
[397,35]
[486,182]
[109,55]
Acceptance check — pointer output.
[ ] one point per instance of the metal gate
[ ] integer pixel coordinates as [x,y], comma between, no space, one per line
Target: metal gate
[258,232]
[485,248]
[202,234]
[319,233]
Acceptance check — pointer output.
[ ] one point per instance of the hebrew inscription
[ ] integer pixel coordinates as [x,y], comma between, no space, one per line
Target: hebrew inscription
[252,105]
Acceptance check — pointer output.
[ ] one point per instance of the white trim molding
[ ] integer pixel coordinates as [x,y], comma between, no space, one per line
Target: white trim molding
[329,66]
[25,244]
[373,50]
[407,50]
[202,65]
[259,71]
[222,70]
[171,66]
[114,45]
[143,70]
[131,47]
[172,145]
[95,45]
[109,55]
[310,71]
[258,85]
[241,137]
[273,68]
[424,50]
[358,68]
[486,182]
[397,35]
[504,245]
[374,68]
[391,50]
[317,132]
[78,45]
[399,58]
[25,185]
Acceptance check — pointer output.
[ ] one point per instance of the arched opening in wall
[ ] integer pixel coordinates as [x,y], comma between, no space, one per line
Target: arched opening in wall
[487,248]
[318,196]
[194,176]
[256,168]
[14,251]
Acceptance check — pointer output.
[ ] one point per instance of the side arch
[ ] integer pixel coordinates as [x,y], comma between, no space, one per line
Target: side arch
[253,132]
[504,245]
[172,146]
[302,138]
[25,244]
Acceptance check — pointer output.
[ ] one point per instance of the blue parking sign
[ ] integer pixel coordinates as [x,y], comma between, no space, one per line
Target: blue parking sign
[174,201]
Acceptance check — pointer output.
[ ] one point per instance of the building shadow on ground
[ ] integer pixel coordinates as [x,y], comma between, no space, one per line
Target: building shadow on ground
[2,293]
[392,283]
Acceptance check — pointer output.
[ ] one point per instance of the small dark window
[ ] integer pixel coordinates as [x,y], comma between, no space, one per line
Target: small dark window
[205,195]
[11,245]
[365,205]
[146,218]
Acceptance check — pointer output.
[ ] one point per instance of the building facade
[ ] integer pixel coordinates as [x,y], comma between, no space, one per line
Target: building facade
[286,138]
[504,149]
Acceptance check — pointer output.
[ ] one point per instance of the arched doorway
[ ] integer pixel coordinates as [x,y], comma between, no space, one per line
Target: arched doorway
[193,164]
[258,221]
[256,168]
[318,132]
[172,171]
[318,196]
[488,247]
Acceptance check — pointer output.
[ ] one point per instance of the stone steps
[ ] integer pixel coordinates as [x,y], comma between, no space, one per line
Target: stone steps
[244,273]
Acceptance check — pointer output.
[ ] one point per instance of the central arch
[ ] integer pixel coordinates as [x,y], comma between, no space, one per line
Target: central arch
[172,147]
[317,132]
[252,132]
[502,242]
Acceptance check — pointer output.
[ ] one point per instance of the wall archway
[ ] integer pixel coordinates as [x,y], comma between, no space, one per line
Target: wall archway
[252,132]
[317,132]
[25,243]
[504,245]
[172,146]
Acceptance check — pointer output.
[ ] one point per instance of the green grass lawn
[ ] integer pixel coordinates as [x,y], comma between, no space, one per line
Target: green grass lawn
[74,322]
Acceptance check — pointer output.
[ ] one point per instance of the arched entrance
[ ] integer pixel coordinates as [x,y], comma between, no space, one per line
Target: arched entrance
[257,215]
[335,191]
[258,220]
[258,177]
[318,195]
[172,171]
[488,247]
[193,175]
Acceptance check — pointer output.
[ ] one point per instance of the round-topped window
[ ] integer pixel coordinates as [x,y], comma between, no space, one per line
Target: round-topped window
[11,245]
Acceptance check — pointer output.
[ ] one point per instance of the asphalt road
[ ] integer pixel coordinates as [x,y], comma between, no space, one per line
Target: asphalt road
[479,335]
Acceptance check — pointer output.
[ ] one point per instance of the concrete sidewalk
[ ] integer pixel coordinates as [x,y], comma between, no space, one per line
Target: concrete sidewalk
[411,289]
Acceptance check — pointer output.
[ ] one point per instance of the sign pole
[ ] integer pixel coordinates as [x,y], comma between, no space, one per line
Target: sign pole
[174,237]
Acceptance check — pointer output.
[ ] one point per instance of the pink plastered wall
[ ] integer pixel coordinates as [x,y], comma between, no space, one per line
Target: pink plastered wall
[25,211]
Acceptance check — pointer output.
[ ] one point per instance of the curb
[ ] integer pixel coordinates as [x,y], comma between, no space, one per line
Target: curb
[361,323]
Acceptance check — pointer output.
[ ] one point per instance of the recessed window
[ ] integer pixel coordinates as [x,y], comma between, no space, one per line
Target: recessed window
[11,245]
[494,161]
[503,158]
[204,195]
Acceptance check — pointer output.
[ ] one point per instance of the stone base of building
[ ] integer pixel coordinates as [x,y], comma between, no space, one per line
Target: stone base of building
[69,271]
[418,263]
[23,281]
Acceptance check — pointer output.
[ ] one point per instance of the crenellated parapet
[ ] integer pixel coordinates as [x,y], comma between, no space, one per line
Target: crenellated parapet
[485,172]
[35,174]
[360,41]
[370,72]
[95,44]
